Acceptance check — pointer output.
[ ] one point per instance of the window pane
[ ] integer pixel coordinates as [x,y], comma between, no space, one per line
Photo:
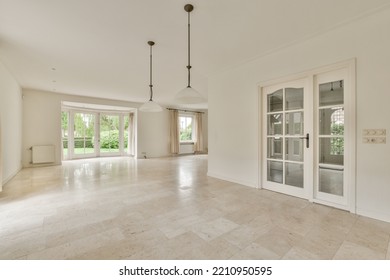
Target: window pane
[332,93]
[126,132]
[294,98]
[185,128]
[64,129]
[331,181]
[294,149]
[275,101]
[109,134]
[275,124]
[332,121]
[275,147]
[294,174]
[84,129]
[294,123]
[275,171]
[332,150]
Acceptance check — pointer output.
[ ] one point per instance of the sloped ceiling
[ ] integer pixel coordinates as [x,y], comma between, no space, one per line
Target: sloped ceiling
[99,48]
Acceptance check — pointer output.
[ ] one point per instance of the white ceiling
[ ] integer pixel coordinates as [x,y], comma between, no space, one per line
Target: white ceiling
[99,47]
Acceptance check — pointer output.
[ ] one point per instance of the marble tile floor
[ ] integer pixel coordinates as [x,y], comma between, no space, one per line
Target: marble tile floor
[167,208]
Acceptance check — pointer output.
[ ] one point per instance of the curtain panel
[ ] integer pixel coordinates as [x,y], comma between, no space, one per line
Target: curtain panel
[174,131]
[198,146]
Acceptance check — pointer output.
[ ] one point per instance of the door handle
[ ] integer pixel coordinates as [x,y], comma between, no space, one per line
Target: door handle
[307,137]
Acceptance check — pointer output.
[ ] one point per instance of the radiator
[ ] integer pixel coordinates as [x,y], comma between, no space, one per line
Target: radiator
[43,154]
[186,149]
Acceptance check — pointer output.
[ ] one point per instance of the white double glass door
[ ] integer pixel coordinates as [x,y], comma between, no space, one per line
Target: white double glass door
[94,134]
[308,138]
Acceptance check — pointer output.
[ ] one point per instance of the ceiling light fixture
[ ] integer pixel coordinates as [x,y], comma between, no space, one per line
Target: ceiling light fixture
[189,95]
[150,106]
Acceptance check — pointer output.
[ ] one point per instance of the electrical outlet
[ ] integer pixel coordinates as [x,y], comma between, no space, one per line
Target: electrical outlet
[374,140]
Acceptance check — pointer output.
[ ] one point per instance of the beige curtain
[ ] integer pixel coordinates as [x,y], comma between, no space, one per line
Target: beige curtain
[198,147]
[174,131]
[1,161]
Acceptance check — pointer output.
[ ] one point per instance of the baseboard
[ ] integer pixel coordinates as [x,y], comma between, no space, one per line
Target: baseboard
[233,180]
[9,178]
[373,214]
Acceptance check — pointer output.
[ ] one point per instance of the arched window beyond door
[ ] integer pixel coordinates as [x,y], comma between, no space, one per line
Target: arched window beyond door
[337,128]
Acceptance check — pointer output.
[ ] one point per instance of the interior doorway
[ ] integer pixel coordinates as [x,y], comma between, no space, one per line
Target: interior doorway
[308,136]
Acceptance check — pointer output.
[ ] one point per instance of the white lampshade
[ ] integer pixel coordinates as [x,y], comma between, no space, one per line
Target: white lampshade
[150,106]
[189,95]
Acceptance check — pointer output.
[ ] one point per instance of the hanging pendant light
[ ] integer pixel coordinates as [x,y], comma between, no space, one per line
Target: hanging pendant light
[189,95]
[150,106]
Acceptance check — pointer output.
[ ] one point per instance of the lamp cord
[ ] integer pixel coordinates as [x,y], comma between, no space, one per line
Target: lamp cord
[150,84]
[189,51]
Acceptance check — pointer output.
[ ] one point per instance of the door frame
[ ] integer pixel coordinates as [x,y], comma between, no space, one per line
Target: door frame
[349,138]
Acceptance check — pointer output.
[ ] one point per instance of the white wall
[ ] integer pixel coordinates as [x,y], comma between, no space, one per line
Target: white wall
[233,133]
[10,126]
[153,134]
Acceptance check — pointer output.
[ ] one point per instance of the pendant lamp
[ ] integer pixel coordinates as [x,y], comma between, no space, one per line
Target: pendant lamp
[150,106]
[189,95]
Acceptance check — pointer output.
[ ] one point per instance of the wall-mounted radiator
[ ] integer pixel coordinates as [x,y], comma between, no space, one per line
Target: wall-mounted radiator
[42,154]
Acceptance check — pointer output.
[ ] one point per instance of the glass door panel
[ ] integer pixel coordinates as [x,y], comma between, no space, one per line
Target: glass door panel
[294,130]
[126,146]
[83,135]
[275,124]
[109,134]
[330,163]
[65,134]
[275,171]
[275,101]
[294,174]
[275,148]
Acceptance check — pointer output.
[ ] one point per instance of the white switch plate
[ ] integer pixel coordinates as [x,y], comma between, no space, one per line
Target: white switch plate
[374,132]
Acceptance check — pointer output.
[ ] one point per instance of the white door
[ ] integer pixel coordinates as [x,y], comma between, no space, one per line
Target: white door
[331,184]
[308,142]
[287,145]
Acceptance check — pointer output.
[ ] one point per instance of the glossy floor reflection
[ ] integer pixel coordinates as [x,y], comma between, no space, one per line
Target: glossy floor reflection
[121,208]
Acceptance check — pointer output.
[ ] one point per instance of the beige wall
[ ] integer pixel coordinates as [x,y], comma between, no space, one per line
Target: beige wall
[10,126]
[233,123]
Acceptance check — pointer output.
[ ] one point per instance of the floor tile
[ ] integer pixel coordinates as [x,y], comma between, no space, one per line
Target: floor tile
[168,208]
[349,250]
